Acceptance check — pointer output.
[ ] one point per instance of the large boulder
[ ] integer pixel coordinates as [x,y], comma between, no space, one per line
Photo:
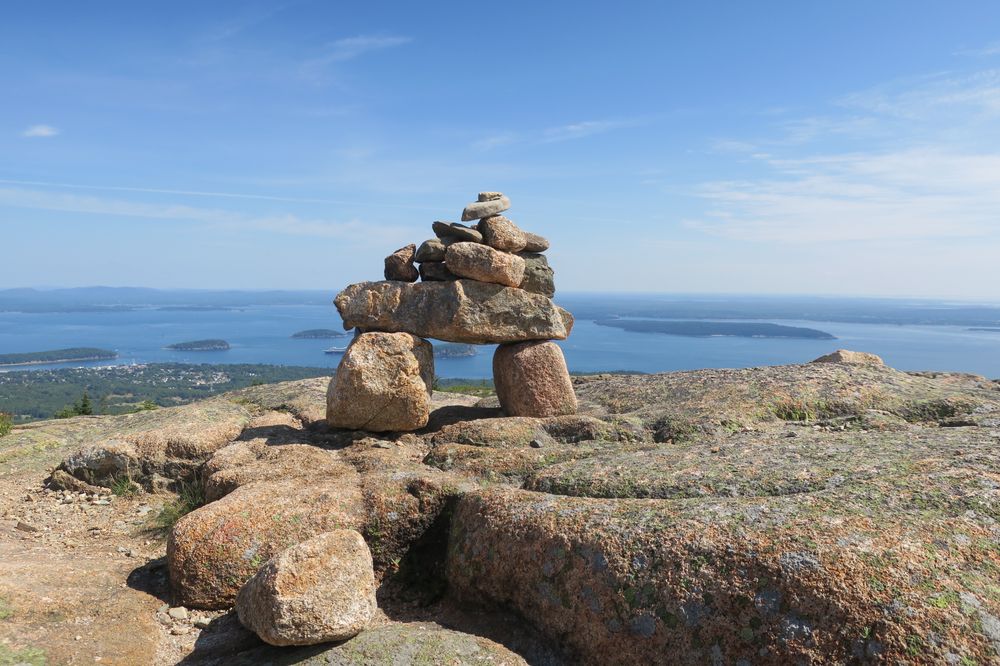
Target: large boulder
[483,263]
[383,383]
[539,278]
[214,550]
[531,379]
[317,591]
[104,464]
[460,311]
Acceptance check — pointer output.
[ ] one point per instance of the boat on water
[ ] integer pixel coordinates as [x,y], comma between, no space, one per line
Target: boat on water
[335,350]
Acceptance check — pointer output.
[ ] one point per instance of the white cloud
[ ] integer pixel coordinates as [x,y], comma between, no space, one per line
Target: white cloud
[40,131]
[925,166]
[991,49]
[584,129]
[347,49]
[495,141]
[354,231]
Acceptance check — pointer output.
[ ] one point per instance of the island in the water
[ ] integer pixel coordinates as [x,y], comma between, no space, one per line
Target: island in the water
[984,329]
[708,329]
[454,350]
[320,334]
[200,345]
[58,356]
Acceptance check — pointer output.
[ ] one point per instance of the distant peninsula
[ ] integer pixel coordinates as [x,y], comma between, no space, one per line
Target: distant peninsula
[200,345]
[320,334]
[454,350]
[58,356]
[709,329]
[986,329]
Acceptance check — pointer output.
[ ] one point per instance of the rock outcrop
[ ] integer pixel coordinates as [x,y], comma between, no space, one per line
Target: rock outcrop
[850,358]
[816,513]
[213,551]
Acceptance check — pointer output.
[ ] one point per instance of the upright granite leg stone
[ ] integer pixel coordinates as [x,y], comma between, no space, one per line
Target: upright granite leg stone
[531,379]
[383,383]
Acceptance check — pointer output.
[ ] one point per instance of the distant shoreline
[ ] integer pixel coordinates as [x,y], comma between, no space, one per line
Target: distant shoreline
[59,360]
[69,355]
[716,329]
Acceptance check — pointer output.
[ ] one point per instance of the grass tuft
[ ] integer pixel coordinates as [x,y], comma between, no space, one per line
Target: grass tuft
[124,486]
[190,496]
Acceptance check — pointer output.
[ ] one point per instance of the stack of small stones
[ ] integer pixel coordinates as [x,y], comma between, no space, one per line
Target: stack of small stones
[487,283]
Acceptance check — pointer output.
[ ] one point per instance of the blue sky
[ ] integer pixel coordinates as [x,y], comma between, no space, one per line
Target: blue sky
[729,147]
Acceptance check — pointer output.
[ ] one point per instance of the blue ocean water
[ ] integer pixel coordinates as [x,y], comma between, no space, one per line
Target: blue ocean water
[261,334]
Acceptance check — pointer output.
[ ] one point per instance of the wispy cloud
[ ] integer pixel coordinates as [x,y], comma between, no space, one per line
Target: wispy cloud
[496,140]
[584,129]
[40,131]
[927,167]
[355,231]
[568,132]
[991,49]
[349,48]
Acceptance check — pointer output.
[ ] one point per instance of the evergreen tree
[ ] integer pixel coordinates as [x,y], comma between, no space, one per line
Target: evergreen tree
[84,408]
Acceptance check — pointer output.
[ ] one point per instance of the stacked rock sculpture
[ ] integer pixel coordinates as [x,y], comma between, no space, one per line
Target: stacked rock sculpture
[487,283]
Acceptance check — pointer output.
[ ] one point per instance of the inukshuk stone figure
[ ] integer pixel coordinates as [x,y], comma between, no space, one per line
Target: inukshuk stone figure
[487,283]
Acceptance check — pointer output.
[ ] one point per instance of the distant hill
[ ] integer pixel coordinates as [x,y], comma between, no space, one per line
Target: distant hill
[320,334]
[707,329]
[200,345]
[58,356]
[453,350]
[101,299]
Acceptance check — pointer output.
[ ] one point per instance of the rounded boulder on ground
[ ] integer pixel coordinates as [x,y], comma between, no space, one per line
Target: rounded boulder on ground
[382,384]
[317,591]
[531,379]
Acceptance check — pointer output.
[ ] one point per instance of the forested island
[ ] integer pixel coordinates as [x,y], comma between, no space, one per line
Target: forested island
[200,345]
[986,330]
[454,350]
[708,329]
[320,334]
[58,356]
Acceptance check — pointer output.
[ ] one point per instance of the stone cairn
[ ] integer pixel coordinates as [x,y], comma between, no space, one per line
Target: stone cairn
[487,283]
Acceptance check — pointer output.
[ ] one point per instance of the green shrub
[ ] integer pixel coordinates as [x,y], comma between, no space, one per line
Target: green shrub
[6,423]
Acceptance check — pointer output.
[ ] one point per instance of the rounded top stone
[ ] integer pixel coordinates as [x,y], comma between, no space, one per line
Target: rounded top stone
[490,196]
